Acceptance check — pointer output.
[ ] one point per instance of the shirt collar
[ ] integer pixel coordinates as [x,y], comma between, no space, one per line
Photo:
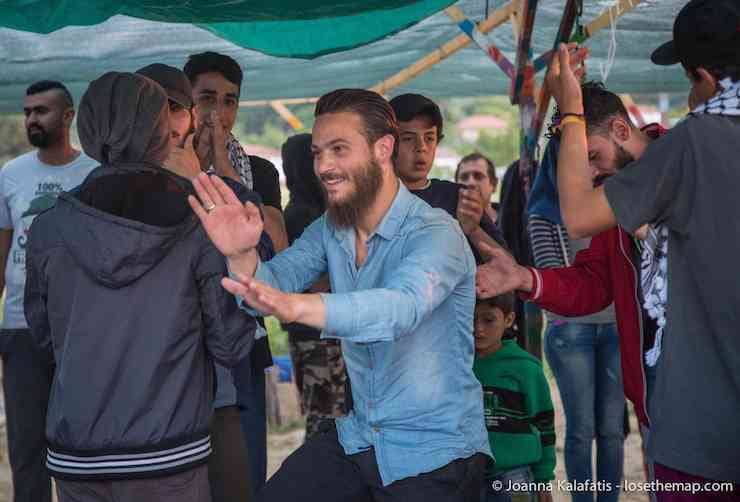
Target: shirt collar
[391,222]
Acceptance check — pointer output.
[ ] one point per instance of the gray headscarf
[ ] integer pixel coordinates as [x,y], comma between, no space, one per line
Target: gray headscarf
[124,118]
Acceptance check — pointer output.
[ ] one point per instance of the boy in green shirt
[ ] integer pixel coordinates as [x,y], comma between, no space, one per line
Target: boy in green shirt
[517,405]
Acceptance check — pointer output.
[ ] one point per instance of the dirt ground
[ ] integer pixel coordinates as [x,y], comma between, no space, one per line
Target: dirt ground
[280,445]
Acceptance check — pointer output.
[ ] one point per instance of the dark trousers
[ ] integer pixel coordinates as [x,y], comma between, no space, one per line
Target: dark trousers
[188,486]
[228,465]
[250,395]
[320,470]
[26,384]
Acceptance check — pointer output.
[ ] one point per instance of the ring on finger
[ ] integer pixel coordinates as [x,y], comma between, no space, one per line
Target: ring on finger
[210,208]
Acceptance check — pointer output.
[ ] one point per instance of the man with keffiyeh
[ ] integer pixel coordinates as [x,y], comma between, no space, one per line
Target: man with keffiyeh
[686,181]
[216,81]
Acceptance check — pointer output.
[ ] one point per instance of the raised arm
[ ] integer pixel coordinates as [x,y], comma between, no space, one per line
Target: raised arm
[585,209]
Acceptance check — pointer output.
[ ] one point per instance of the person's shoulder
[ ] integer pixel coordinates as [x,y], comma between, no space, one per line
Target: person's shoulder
[445,186]
[422,214]
[242,193]
[527,360]
[262,164]
[44,232]
[86,161]
[20,163]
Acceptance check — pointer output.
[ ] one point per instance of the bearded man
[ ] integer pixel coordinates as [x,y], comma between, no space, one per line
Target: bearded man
[402,278]
[30,184]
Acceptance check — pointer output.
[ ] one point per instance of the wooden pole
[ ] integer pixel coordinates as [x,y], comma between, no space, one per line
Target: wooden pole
[595,26]
[481,40]
[287,115]
[268,102]
[543,102]
[497,18]
[522,84]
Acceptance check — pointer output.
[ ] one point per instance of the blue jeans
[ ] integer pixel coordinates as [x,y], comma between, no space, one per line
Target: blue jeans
[250,391]
[519,475]
[585,361]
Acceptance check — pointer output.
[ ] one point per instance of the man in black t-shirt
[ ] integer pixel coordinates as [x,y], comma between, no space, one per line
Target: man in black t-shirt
[216,81]
[421,127]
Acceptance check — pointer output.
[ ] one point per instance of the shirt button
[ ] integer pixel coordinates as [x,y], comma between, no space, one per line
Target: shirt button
[376,429]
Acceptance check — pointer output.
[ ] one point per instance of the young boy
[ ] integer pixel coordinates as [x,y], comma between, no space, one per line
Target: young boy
[517,406]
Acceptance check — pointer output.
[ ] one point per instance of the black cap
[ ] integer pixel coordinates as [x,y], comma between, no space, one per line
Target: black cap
[706,33]
[174,82]
[409,106]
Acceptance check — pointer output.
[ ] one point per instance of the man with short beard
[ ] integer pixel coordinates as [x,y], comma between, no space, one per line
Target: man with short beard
[29,184]
[402,277]
[607,271]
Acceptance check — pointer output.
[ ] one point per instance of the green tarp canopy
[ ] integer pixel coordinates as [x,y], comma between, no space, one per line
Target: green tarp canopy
[296,49]
[287,28]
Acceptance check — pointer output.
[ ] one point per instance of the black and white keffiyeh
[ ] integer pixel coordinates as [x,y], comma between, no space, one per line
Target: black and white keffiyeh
[726,102]
[654,260]
[239,160]
[654,282]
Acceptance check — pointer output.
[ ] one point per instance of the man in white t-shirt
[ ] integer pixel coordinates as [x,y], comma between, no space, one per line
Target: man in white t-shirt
[29,184]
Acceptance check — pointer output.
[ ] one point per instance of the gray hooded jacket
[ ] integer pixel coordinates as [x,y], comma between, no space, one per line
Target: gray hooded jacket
[124,294]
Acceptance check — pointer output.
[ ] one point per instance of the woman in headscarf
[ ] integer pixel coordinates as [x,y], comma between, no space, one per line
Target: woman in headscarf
[124,295]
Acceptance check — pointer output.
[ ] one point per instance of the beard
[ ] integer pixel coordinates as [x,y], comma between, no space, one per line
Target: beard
[346,213]
[38,137]
[621,158]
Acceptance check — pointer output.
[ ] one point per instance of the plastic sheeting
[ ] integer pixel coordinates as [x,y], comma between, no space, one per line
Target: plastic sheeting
[76,55]
[288,28]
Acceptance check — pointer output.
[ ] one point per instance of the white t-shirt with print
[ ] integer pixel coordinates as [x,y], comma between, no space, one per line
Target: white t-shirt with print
[28,187]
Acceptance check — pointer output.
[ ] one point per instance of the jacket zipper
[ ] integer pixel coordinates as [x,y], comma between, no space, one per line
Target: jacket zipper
[639,322]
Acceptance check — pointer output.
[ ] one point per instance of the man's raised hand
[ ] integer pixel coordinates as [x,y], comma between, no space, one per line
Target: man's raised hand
[564,77]
[234,228]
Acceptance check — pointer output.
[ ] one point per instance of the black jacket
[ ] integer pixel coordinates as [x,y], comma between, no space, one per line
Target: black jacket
[123,291]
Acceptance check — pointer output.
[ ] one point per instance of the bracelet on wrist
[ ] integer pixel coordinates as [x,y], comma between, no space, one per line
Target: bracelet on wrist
[572,119]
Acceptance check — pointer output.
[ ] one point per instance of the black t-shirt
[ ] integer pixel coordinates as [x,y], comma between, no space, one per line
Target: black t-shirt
[266,181]
[444,195]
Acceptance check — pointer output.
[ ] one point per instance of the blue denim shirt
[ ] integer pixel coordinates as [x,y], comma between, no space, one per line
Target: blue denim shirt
[405,321]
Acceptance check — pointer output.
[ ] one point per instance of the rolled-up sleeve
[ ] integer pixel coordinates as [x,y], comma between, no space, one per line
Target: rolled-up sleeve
[436,259]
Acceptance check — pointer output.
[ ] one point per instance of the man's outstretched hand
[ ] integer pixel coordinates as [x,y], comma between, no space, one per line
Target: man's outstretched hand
[307,309]
[564,77]
[234,228]
[264,298]
[500,275]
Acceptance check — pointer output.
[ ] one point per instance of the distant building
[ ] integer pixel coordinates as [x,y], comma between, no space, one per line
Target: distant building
[470,128]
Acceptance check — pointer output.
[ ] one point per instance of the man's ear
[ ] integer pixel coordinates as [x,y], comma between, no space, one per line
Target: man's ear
[68,116]
[384,148]
[620,129]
